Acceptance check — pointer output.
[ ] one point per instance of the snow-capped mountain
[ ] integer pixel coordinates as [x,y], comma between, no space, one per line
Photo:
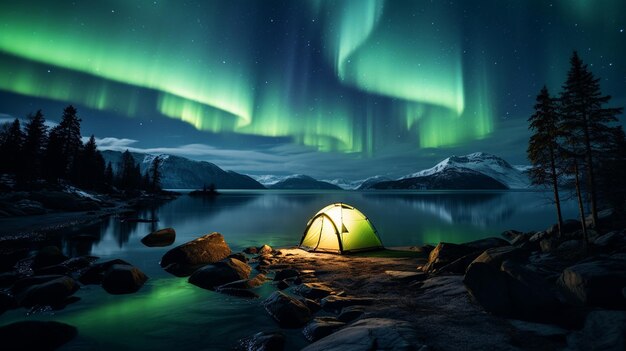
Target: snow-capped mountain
[301,181]
[369,182]
[343,183]
[182,173]
[486,164]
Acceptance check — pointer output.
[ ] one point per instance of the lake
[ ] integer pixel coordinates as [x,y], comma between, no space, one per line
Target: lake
[169,313]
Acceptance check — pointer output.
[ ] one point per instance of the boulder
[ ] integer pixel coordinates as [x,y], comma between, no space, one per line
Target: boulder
[258,280]
[350,313]
[282,285]
[597,283]
[286,274]
[52,292]
[370,334]
[251,250]
[511,235]
[219,273]
[36,335]
[458,266]
[611,240]
[489,287]
[320,327]
[263,341]
[265,250]
[603,330]
[314,290]
[48,256]
[496,256]
[239,256]
[335,303]
[186,258]
[160,238]
[286,310]
[313,305]
[445,253]
[95,273]
[123,279]
[22,284]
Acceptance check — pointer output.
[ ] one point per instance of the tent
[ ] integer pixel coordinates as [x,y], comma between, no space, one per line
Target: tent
[340,228]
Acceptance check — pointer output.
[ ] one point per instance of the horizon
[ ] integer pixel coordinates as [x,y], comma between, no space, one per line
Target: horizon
[347,92]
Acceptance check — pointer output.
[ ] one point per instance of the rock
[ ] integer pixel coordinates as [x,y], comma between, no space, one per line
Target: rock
[48,256]
[186,258]
[596,283]
[77,263]
[8,278]
[320,327]
[547,244]
[611,240]
[445,253]
[511,235]
[286,310]
[52,292]
[220,273]
[603,330]
[265,250]
[245,293]
[458,266]
[263,341]
[95,273]
[36,335]
[350,313]
[313,305]
[251,250]
[160,238]
[239,256]
[370,334]
[335,303]
[286,274]
[29,207]
[123,279]
[314,290]
[489,287]
[570,245]
[487,243]
[56,269]
[22,284]
[496,256]
[282,285]
[258,280]
[538,236]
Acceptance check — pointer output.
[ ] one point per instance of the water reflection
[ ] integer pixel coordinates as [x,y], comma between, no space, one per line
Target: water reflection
[279,217]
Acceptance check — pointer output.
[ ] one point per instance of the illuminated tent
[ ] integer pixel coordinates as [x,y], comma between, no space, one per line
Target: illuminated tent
[340,228]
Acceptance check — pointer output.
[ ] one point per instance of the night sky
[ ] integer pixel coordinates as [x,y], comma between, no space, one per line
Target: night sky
[332,89]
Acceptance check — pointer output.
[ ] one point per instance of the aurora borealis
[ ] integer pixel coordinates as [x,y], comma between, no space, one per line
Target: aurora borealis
[356,87]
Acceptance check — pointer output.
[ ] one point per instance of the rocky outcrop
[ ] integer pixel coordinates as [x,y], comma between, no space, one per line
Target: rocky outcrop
[258,280]
[36,335]
[597,283]
[123,279]
[160,238]
[286,274]
[44,290]
[320,327]
[370,334]
[446,253]
[286,310]
[95,273]
[183,260]
[603,330]
[219,273]
[334,303]
[48,256]
[314,290]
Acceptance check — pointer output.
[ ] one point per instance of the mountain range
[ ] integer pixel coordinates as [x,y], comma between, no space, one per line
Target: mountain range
[182,173]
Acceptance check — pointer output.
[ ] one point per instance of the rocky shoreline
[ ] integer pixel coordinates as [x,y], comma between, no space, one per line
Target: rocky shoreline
[525,291]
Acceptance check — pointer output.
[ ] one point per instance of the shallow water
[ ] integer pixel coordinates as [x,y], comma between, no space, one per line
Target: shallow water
[169,313]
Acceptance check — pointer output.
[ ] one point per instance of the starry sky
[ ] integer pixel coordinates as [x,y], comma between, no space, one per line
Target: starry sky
[329,88]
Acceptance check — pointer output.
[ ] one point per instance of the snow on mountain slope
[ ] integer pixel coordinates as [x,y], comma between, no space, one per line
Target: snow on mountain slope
[484,163]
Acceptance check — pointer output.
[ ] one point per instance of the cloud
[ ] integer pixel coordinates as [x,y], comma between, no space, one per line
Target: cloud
[6,118]
[111,143]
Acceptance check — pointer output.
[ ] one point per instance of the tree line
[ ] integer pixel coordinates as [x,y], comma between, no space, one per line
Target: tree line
[36,153]
[576,139]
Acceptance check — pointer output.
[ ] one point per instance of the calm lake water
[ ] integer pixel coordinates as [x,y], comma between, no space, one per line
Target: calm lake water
[169,313]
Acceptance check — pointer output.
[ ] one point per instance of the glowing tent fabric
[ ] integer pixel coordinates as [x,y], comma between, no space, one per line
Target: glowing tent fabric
[340,228]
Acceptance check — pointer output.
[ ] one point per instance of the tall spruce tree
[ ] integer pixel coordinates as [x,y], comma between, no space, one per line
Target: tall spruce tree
[130,174]
[543,147]
[91,166]
[35,142]
[11,160]
[108,174]
[155,174]
[585,123]
[64,145]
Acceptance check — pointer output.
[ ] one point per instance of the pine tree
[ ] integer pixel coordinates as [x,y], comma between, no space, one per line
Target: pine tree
[543,147]
[155,174]
[145,181]
[612,172]
[91,166]
[108,174]
[35,142]
[130,174]
[11,160]
[584,122]
[65,143]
